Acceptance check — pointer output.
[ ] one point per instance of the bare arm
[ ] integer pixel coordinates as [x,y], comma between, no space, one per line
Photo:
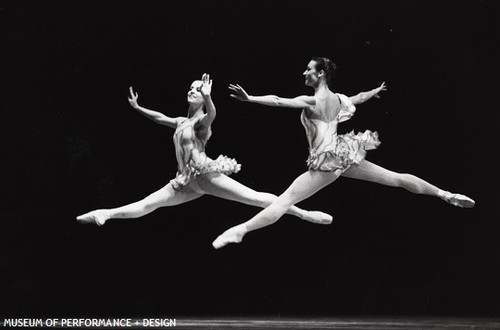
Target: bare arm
[365,96]
[156,116]
[206,90]
[298,102]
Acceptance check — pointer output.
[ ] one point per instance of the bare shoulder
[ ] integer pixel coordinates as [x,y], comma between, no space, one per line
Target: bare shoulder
[179,120]
[309,99]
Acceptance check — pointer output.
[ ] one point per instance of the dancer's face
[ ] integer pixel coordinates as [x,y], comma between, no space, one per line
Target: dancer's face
[194,94]
[311,76]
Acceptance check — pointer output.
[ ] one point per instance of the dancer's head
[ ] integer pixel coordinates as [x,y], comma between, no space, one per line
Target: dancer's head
[194,96]
[319,69]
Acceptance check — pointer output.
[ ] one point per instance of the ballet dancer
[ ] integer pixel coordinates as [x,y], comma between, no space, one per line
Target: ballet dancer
[330,155]
[197,174]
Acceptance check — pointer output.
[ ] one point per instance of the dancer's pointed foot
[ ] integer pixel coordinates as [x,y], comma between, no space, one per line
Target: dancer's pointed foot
[97,217]
[232,235]
[458,200]
[318,217]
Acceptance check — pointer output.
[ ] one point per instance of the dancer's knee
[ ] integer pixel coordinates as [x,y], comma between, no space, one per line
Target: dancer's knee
[150,203]
[265,199]
[259,199]
[409,182]
[147,208]
[401,180]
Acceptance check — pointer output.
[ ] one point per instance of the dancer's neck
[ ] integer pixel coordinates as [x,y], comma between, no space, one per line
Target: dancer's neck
[322,88]
[195,110]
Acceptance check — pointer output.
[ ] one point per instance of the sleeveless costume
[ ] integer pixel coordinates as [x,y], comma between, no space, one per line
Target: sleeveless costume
[190,139]
[328,151]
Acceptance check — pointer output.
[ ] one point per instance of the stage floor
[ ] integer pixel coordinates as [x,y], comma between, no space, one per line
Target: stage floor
[338,323]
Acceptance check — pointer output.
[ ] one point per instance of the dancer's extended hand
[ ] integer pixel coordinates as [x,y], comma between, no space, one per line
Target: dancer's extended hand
[240,92]
[133,98]
[206,86]
[379,89]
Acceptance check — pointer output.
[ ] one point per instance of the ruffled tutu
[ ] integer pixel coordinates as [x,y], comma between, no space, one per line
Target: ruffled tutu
[222,164]
[350,149]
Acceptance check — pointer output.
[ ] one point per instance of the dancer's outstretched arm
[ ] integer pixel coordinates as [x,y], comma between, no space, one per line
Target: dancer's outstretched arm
[365,96]
[298,102]
[206,90]
[156,116]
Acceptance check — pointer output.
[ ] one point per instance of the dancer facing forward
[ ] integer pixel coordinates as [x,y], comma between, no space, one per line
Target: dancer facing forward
[197,174]
[330,155]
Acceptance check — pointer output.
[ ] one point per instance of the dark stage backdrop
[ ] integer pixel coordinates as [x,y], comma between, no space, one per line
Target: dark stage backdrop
[72,144]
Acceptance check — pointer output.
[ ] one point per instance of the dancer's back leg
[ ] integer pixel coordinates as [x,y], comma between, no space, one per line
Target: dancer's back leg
[369,171]
[222,186]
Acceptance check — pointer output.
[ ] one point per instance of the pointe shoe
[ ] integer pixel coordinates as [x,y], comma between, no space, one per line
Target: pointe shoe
[96,217]
[318,217]
[219,242]
[229,236]
[459,200]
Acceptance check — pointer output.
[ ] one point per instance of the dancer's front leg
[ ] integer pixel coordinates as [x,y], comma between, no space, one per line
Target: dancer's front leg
[166,196]
[303,187]
[222,186]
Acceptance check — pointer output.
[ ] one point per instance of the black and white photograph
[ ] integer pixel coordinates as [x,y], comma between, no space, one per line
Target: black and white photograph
[250,164]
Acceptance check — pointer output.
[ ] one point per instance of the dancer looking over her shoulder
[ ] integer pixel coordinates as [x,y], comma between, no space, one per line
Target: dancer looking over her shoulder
[330,155]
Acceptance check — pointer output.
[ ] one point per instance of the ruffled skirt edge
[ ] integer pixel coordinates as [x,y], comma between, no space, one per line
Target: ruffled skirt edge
[222,164]
[350,149]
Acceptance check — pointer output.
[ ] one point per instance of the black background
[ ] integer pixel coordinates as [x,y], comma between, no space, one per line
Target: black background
[73,144]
